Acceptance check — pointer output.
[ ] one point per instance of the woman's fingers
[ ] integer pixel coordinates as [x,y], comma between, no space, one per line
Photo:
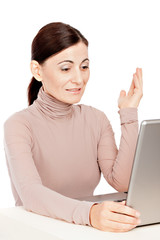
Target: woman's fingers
[113,217]
[139,76]
[139,73]
[131,90]
[119,208]
[121,218]
[136,81]
[135,93]
[138,86]
[118,227]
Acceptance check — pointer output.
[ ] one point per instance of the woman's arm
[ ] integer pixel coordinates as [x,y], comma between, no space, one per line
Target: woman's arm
[116,165]
[27,182]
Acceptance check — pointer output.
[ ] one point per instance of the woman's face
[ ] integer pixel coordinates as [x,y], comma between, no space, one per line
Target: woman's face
[66,74]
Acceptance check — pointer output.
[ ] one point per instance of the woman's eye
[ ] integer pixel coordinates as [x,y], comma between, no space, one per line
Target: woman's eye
[85,67]
[65,69]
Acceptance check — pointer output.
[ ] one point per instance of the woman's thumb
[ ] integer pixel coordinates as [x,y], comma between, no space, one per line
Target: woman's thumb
[122,93]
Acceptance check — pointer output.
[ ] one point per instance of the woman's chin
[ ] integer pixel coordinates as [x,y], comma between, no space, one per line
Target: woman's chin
[73,101]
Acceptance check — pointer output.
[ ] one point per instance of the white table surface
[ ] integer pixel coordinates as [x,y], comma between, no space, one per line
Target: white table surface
[17,223]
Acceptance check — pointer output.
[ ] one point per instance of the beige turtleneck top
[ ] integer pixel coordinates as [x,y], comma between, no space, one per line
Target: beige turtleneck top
[56,152]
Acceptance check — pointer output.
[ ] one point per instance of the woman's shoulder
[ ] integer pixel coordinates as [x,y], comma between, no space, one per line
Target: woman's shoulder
[16,118]
[18,125]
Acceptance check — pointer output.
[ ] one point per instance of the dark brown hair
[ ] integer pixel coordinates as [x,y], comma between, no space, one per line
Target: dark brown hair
[51,39]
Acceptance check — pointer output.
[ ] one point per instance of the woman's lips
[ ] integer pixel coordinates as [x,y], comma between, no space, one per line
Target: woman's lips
[74,90]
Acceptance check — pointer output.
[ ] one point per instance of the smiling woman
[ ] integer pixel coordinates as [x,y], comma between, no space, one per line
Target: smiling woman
[45,61]
[56,150]
[66,74]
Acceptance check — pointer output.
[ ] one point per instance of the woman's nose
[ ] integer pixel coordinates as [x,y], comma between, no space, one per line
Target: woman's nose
[77,78]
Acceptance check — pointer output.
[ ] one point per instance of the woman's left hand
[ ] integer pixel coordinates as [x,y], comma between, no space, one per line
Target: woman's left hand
[135,92]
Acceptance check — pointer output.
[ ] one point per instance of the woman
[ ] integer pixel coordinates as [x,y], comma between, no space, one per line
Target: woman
[56,150]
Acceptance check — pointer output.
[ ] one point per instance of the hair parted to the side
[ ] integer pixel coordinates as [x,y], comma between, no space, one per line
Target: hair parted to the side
[51,39]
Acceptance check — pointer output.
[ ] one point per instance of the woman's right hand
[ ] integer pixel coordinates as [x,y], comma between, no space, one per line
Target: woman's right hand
[113,217]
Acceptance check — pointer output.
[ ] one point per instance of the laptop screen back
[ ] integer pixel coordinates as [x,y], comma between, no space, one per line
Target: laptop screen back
[144,187]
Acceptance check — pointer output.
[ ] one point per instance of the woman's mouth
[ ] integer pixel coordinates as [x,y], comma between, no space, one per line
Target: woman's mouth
[74,90]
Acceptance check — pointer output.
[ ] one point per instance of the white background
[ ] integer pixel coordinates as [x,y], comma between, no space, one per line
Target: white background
[122,34]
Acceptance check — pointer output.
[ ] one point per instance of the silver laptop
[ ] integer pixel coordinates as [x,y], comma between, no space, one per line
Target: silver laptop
[144,187]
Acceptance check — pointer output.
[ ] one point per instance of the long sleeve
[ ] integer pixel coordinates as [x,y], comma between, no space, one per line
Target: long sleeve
[34,195]
[116,164]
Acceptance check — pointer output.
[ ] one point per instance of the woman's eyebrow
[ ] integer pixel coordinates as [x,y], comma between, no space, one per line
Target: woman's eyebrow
[86,59]
[66,61]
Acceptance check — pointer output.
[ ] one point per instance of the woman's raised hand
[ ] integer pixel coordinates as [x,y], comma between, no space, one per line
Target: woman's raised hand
[113,217]
[135,93]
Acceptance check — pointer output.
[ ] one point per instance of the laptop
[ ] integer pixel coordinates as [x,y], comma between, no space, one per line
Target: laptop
[144,186]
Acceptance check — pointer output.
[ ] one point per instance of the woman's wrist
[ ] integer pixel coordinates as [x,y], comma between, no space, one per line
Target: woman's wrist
[128,106]
[91,213]
[128,115]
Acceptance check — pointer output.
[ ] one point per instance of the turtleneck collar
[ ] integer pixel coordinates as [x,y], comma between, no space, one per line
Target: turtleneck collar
[52,107]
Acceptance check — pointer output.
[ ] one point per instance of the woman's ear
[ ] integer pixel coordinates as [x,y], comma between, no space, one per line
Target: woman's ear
[36,70]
